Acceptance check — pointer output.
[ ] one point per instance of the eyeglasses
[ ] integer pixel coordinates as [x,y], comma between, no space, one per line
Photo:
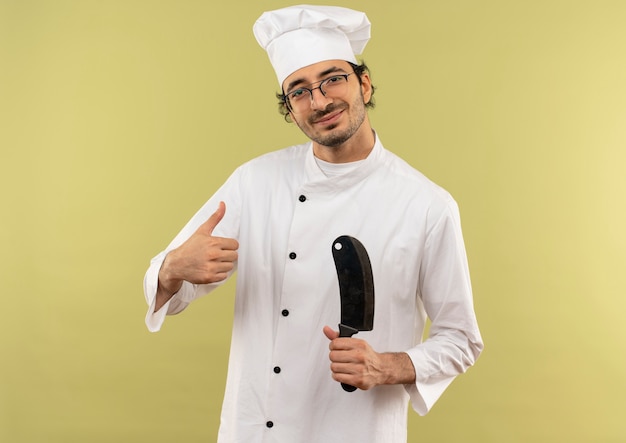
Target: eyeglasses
[300,98]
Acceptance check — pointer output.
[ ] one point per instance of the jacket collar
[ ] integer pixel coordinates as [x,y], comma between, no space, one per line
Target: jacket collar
[316,181]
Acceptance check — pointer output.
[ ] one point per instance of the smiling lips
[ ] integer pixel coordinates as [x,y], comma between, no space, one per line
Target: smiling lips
[329,118]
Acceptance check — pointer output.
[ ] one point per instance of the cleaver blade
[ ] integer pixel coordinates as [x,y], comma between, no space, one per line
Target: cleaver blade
[356,288]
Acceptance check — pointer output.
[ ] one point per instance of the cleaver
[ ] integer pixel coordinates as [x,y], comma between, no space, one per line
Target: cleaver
[356,288]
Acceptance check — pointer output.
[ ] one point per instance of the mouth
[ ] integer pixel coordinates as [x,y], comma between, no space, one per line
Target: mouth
[329,119]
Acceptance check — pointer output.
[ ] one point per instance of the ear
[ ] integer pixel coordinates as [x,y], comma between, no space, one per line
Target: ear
[366,87]
[289,116]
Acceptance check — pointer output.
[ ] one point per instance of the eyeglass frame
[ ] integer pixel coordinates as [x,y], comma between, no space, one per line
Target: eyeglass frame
[285,97]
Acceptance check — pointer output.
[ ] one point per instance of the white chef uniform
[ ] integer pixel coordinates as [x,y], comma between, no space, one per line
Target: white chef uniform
[285,213]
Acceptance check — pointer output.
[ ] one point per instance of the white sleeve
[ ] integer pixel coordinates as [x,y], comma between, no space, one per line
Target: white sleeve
[154,320]
[228,227]
[454,342]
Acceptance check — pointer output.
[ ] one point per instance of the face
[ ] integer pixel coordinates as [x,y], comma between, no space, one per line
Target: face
[330,121]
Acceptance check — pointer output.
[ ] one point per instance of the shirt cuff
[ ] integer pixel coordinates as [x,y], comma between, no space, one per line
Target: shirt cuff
[154,320]
[424,395]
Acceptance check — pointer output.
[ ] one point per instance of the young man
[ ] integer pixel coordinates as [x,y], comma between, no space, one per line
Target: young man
[274,220]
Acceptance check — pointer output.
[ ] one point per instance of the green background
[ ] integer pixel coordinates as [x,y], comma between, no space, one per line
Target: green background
[118,119]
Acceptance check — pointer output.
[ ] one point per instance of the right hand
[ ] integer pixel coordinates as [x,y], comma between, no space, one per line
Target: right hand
[201,259]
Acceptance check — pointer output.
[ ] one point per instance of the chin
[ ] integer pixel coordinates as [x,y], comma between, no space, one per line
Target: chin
[333,141]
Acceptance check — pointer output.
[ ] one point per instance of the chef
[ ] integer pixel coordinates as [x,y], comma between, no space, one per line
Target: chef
[273,222]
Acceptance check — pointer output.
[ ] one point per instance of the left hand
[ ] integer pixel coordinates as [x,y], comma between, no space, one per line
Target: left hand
[354,362]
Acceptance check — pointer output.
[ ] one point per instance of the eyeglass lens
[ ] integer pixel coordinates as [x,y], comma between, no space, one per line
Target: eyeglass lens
[334,86]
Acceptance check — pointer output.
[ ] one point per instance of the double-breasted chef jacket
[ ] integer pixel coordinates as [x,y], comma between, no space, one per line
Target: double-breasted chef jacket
[285,213]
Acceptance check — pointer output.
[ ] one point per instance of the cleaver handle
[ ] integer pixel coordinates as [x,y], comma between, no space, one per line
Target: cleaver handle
[347,331]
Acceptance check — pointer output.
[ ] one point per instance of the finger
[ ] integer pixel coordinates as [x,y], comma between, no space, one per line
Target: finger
[345,356]
[214,219]
[227,256]
[344,368]
[346,344]
[330,333]
[228,244]
[222,267]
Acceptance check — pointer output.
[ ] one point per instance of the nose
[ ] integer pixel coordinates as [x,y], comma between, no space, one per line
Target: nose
[319,100]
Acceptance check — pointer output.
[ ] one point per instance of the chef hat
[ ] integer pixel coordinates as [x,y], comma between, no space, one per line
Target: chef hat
[298,36]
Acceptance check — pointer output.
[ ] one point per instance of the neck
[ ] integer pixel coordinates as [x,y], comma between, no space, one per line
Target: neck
[356,148]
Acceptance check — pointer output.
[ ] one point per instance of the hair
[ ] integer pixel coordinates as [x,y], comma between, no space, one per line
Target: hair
[359,70]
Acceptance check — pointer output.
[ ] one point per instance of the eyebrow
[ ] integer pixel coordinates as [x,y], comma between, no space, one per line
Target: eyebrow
[324,73]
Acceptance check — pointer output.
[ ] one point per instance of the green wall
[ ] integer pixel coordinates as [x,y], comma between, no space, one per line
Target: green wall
[119,118]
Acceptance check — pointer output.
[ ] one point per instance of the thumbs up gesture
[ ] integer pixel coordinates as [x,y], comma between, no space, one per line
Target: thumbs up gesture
[201,259]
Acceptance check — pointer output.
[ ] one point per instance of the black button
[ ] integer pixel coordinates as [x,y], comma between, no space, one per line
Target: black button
[292,255]
[269,424]
[276,370]
[302,198]
[285,313]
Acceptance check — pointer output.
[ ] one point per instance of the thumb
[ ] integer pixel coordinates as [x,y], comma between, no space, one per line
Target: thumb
[330,333]
[214,219]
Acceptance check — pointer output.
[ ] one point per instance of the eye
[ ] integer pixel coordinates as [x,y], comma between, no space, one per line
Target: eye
[335,79]
[297,94]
